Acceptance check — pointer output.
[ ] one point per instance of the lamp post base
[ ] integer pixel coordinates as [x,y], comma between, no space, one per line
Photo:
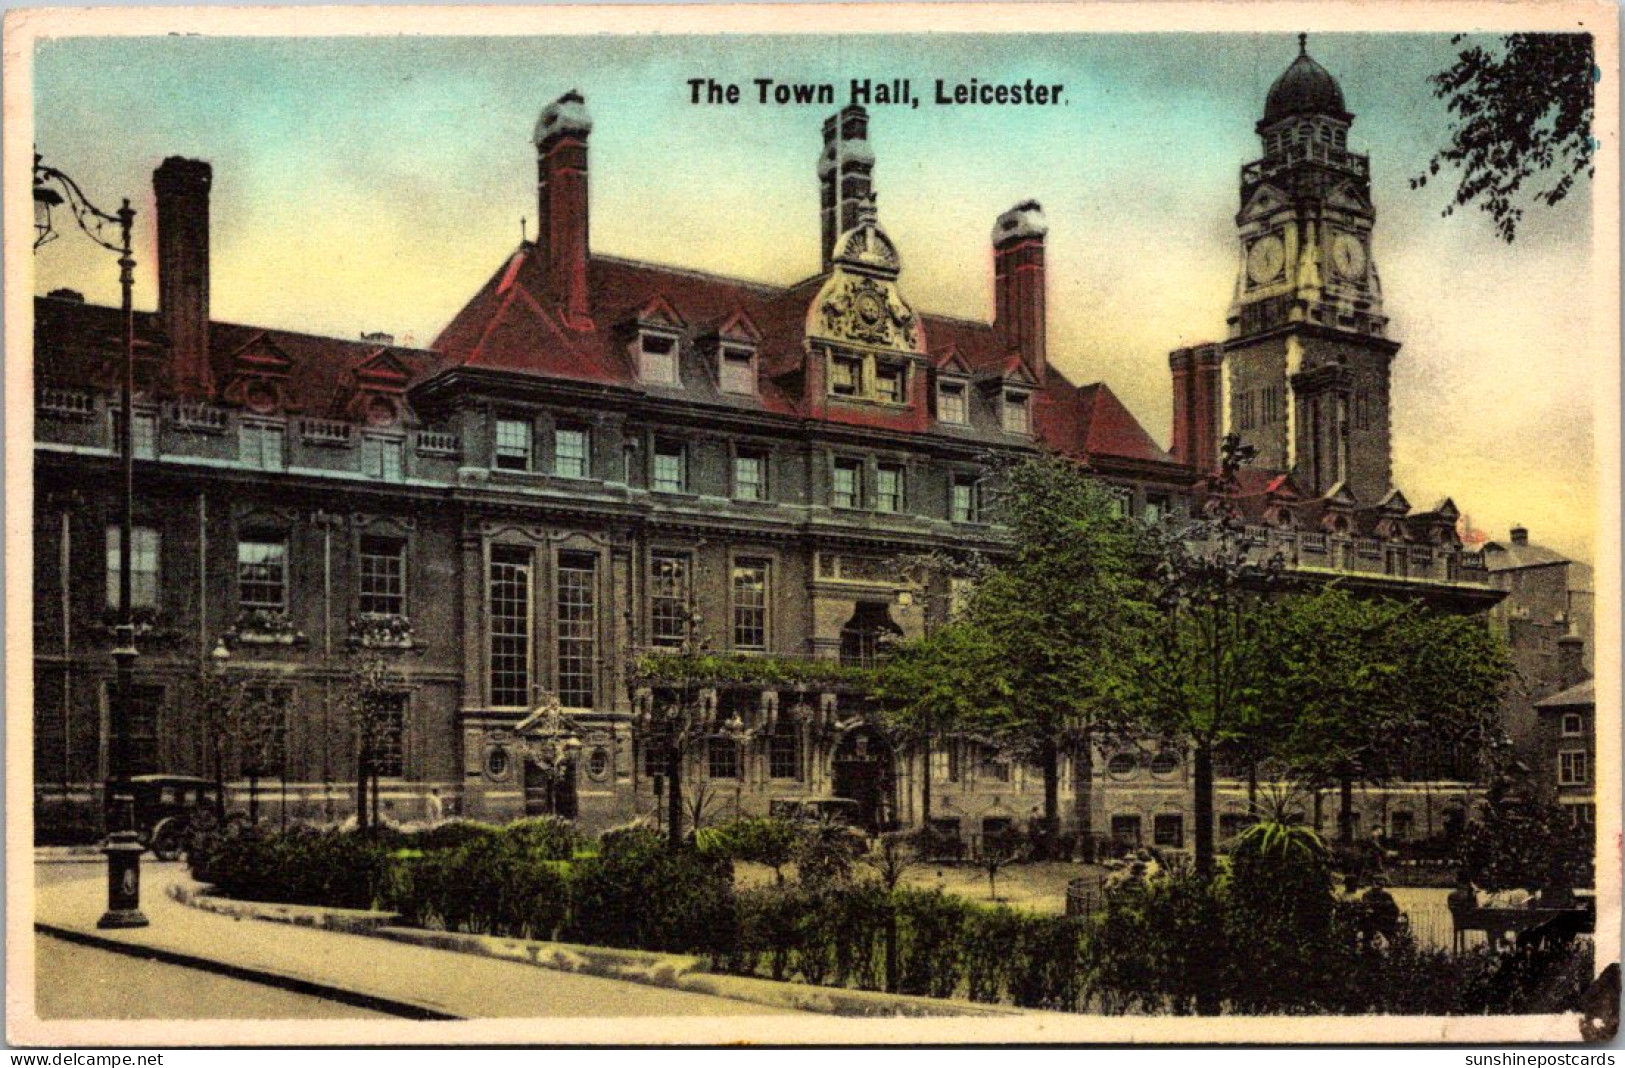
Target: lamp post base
[123,854]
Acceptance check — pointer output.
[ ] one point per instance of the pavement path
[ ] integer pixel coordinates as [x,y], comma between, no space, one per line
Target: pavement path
[395,978]
[79,982]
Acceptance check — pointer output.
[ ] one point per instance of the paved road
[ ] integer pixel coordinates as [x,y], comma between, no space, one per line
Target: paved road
[85,983]
[70,896]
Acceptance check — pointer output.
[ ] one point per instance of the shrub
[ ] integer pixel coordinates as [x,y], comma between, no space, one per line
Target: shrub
[754,839]
[1158,945]
[545,837]
[302,866]
[638,893]
[930,943]
[452,834]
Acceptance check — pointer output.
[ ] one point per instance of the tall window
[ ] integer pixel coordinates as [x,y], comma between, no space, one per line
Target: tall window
[1017,414]
[784,751]
[146,435]
[265,748]
[750,476]
[846,484]
[669,598]
[388,735]
[738,371]
[750,604]
[382,577]
[509,594]
[262,574]
[721,758]
[670,467]
[144,545]
[1571,769]
[889,384]
[570,452]
[962,502]
[577,626]
[259,445]
[845,376]
[513,445]
[658,359]
[146,704]
[1156,508]
[381,458]
[889,488]
[951,403]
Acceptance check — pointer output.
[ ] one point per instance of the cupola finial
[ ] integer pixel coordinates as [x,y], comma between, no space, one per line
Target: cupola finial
[1303,44]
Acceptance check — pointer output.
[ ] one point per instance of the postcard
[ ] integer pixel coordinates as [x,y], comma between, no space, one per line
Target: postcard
[968,523]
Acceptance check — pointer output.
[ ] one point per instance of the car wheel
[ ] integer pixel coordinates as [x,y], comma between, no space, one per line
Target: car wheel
[166,844]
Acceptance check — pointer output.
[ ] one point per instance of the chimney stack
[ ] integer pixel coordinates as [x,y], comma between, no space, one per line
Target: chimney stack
[1520,535]
[561,185]
[1196,406]
[182,189]
[1571,669]
[1018,284]
[845,174]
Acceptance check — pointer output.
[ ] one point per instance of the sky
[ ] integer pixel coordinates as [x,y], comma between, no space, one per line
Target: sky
[365,184]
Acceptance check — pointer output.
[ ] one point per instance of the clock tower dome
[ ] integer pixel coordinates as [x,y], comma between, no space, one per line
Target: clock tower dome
[1306,365]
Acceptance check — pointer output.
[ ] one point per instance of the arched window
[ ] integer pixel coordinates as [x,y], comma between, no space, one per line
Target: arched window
[865,633]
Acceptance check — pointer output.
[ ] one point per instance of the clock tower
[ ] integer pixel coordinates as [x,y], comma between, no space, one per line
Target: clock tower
[1306,366]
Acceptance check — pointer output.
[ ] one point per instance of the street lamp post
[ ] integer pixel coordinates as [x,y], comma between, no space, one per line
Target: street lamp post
[52,189]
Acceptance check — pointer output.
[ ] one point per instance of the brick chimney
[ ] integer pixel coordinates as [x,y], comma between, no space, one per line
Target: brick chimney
[561,186]
[1196,405]
[1571,669]
[1520,535]
[182,189]
[1018,284]
[845,174]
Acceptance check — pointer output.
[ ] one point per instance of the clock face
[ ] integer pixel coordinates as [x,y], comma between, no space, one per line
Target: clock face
[1348,257]
[1265,258]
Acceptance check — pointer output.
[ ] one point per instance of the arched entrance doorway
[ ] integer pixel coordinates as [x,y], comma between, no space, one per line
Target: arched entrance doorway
[862,771]
[550,792]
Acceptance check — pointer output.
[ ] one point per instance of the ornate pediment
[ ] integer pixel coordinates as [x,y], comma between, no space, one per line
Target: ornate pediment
[1266,200]
[1347,198]
[866,311]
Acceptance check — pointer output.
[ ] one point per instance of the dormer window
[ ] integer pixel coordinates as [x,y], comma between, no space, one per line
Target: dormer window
[1016,413]
[889,384]
[951,403]
[845,376]
[737,373]
[657,358]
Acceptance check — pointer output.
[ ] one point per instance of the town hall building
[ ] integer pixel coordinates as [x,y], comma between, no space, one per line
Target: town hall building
[600,457]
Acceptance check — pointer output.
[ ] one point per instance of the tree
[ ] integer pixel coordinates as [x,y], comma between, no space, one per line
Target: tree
[219,699]
[1519,839]
[1050,613]
[1522,113]
[1200,657]
[1360,687]
[932,686]
[370,696]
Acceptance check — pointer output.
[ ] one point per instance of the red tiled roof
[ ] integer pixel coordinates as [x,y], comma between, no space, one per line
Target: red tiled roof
[86,346]
[511,325]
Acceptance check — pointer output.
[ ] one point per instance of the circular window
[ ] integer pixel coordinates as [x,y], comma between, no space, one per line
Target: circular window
[496,763]
[261,397]
[598,763]
[1165,763]
[380,412]
[1122,765]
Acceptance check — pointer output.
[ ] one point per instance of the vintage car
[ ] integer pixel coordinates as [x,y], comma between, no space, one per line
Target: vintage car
[167,807]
